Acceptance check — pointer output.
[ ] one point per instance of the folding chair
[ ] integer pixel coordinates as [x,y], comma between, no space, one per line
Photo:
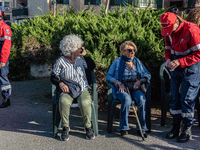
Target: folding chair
[57,122]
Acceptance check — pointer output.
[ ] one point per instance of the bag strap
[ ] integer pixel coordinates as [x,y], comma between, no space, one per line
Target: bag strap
[68,80]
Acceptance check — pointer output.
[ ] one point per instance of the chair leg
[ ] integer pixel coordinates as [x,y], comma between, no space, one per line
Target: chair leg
[94,119]
[148,115]
[165,104]
[163,113]
[111,114]
[148,108]
[199,117]
[56,120]
[198,108]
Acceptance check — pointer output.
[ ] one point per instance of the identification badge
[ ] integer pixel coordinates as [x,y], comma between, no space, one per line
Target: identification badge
[7,31]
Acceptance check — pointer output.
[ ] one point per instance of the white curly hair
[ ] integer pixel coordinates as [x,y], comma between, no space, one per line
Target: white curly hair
[70,43]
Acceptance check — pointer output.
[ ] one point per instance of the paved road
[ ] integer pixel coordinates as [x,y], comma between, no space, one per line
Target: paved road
[27,125]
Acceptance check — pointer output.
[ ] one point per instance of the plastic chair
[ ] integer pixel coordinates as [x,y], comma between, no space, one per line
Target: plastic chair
[56,114]
[166,96]
[112,103]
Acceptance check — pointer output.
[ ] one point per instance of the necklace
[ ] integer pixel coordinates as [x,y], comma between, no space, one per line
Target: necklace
[130,65]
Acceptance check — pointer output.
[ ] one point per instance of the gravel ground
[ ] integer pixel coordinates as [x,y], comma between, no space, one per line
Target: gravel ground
[27,124]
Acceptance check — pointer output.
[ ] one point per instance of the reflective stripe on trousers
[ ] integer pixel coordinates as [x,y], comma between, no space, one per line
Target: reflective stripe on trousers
[5,83]
[182,105]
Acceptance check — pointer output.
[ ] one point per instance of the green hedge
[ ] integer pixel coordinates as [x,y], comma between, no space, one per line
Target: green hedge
[37,40]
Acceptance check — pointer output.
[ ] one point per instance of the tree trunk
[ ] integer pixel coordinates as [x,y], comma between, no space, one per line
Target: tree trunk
[107,5]
[54,8]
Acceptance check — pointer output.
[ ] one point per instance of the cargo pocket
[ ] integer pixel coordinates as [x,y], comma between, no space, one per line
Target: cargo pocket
[192,75]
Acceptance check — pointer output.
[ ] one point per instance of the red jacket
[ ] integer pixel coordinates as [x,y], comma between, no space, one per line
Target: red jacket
[184,44]
[5,38]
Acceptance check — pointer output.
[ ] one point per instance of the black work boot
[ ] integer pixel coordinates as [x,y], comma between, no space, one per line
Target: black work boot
[185,135]
[175,130]
[6,103]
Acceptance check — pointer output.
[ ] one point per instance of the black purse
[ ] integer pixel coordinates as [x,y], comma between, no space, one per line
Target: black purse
[129,84]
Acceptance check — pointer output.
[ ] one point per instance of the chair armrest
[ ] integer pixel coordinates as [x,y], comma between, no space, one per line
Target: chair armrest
[109,94]
[148,106]
[148,85]
[53,90]
[162,69]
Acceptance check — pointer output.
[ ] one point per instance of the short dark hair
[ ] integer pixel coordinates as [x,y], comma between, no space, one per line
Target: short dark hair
[174,10]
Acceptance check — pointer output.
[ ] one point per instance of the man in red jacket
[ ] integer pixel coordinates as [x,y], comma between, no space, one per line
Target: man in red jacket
[182,55]
[5,46]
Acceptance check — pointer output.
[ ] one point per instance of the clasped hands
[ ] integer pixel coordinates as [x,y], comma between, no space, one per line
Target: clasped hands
[122,88]
[172,64]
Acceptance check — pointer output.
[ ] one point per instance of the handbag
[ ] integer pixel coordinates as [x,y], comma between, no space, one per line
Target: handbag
[75,89]
[129,83]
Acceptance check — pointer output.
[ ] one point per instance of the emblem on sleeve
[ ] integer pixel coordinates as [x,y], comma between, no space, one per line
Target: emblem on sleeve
[7,31]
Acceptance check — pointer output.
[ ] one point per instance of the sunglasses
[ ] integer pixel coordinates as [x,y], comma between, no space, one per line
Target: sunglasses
[131,50]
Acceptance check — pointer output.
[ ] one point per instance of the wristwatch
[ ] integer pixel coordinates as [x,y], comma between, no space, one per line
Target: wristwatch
[141,80]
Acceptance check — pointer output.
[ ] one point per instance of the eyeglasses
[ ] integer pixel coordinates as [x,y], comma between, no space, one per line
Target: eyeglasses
[131,50]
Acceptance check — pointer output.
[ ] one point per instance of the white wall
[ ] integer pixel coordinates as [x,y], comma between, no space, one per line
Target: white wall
[40,71]
[33,7]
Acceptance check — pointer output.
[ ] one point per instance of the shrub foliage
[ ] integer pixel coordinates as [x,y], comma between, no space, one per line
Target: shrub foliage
[37,40]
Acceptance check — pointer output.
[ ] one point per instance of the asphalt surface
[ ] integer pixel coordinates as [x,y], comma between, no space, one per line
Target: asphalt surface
[27,125]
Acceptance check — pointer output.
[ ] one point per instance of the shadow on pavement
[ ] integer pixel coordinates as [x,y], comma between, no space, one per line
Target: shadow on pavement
[31,113]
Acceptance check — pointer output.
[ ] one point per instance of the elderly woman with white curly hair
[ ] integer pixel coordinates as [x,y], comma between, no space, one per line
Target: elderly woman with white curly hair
[72,67]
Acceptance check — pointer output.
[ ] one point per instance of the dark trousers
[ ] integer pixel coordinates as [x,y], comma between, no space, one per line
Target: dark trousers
[4,82]
[184,90]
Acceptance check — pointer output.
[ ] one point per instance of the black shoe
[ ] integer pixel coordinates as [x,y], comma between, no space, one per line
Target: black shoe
[89,134]
[5,103]
[144,133]
[124,132]
[65,134]
[175,130]
[185,135]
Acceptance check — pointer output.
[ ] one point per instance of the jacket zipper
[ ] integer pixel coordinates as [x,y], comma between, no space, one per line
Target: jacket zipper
[176,42]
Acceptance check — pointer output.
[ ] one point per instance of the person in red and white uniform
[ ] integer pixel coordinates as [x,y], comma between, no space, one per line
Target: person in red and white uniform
[182,55]
[5,47]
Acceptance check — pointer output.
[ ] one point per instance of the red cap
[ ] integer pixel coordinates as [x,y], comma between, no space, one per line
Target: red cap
[167,21]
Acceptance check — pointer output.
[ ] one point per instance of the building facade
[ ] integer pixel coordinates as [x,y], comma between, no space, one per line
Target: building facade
[6,6]
[182,3]
[29,8]
[20,9]
[184,6]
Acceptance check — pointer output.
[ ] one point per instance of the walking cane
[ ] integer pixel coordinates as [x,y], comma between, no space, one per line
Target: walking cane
[136,116]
